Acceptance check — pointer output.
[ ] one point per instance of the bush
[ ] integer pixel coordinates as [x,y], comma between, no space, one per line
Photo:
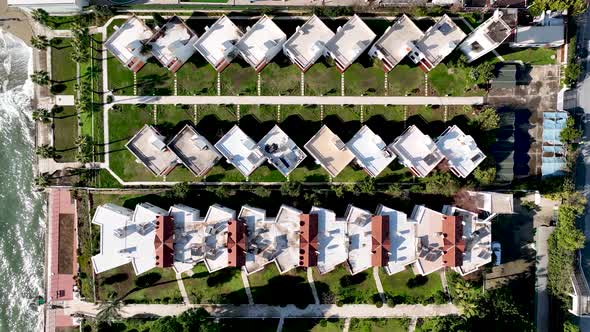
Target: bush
[417,281]
[148,279]
[379,304]
[339,303]
[323,323]
[110,99]
[390,302]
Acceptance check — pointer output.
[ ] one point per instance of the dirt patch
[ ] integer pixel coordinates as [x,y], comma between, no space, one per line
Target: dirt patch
[65,261]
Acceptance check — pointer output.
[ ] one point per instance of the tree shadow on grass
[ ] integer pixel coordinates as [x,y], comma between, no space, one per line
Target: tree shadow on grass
[254,128]
[344,129]
[213,128]
[386,129]
[293,290]
[299,129]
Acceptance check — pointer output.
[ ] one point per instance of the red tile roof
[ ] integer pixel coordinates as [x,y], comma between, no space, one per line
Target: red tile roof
[308,240]
[381,243]
[236,243]
[453,242]
[164,241]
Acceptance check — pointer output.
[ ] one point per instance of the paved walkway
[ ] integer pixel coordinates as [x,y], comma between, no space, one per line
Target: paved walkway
[541,236]
[311,282]
[298,100]
[185,298]
[346,325]
[246,283]
[267,311]
[378,283]
[48,165]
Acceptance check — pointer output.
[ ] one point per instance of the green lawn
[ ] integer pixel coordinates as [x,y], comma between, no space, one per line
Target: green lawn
[364,77]
[533,56]
[155,286]
[91,123]
[339,286]
[154,80]
[405,79]
[124,124]
[223,286]
[313,325]
[65,131]
[453,81]
[239,78]
[399,287]
[63,68]
[379,325]
[292,286]
[281,77]
[120,77]
[197,77]
[322,79]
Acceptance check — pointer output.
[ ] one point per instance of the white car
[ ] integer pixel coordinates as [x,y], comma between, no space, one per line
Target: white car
[497,250]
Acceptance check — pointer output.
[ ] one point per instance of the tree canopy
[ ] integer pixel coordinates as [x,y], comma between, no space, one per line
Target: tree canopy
[574,7]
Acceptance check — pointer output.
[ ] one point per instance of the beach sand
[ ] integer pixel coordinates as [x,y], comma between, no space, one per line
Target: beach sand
[16,22]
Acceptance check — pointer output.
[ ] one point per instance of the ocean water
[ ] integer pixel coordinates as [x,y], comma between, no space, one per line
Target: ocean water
[22,209]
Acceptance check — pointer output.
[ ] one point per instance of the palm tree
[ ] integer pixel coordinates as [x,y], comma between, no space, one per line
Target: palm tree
[45,151]
[40,42]
[41,16]
[109,311]
[41,115]
[40,77]
[146,49]
[42,180]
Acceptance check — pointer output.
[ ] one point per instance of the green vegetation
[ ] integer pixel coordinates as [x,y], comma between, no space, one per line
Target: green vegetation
[63,68]
[292,285]
[364,77]
[197,77]
[224,286]
[574,7]
[313,325]
[379,325]
[322,79]
[533,56]
[405,287]
[280,77]
[570,133]
[65,122]
[457,79]
[155,286]
[404,80]
[339,287]
[189,321]
[239,78]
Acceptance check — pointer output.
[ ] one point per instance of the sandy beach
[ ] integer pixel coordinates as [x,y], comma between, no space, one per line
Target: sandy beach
[16,22]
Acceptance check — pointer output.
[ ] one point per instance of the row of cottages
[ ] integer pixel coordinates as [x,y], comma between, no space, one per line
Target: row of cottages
[429,240]
[414,149]
[174,42]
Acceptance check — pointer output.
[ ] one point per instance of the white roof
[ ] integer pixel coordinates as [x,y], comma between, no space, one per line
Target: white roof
[430,240]
[370,151]
[361,243]
[281,151]
[486,37]
[121,240]
[397,41]
[173,42]
[261,42]
[440,40]
[217,218]
[461,151]
[540,35]
[126,42]
[329,151]
[189,233]
[240,151]
[262,234]
[403,239]
[287,223]
[218,42]
[350,41]
[149,147]
[417,151]
[332,239]
[307,44]
[194,150]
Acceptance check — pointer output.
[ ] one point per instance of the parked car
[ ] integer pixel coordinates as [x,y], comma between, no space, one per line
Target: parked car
[497,250]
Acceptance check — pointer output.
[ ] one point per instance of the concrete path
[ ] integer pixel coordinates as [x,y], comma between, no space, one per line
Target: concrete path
[298,100]
[267,311]
[65,100]
[246,283]
[378,283]
[346,325]
[183,292]
[412,326]
[542,312]
[314,291]
[48,165]
[280,326]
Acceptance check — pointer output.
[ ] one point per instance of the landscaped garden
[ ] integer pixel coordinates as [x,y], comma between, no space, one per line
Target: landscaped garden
[63,68]
[405,287]
[379,325]
[155,286]
[65,131]
[224,286]
[270,287]
[339,287]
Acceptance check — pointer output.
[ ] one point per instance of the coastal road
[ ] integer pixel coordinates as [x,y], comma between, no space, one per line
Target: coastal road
[268,311]
[298,100]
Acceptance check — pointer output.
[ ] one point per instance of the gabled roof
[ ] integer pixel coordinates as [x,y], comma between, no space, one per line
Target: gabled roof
[236,243]
[164,241]
[308,240]
[381,243]
[453,242]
